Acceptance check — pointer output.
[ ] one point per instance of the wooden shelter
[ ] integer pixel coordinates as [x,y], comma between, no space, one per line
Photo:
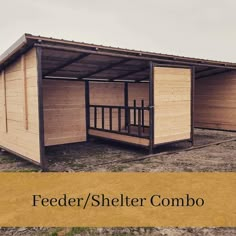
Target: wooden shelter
[56,92]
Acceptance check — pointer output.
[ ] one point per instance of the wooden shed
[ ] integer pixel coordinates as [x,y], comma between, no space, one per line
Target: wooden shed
[57,92]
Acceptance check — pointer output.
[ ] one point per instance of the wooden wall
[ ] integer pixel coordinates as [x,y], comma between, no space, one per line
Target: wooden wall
[215,101]
[106,94]
[120,137]
[19,119]
[64,112]
[139,92]
[172,104]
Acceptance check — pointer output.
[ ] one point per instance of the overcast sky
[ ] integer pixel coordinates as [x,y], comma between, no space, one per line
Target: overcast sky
[196,28]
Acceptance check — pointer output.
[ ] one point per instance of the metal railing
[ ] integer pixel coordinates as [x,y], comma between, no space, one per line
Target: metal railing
[129,120]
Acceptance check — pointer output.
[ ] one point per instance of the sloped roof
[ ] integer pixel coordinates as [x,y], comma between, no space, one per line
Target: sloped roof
[28,40]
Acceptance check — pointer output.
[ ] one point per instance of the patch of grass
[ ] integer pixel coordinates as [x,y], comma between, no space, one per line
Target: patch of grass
[119,168]
[78,165]
[4,159]
[28,170]
[17,170]
[77,230]
[120,234]
[54,232]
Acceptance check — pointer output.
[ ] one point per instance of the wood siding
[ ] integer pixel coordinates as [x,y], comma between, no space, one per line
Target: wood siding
[106,94]
[19,118]
[64,112]
[215,102]
[139,92]
[172,104]
[120,137]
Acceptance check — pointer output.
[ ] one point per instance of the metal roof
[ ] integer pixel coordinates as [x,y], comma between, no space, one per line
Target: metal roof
[28,40]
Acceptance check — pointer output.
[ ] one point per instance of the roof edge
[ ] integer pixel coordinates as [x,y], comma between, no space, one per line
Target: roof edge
[20,43]
[125,50]
[27,40]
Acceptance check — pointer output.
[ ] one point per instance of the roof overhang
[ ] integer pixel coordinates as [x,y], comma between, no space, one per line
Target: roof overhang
[27,41]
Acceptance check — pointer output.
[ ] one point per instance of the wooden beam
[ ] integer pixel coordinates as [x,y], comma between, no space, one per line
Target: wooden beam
[4,100]
[104,68]
[67,63]
[25,93]
[130,73]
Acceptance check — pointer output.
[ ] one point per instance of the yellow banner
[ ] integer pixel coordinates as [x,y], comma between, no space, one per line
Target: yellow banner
[118,199]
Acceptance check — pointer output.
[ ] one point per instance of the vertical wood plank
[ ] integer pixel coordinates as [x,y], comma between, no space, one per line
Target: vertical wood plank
[25,94]
[4,100]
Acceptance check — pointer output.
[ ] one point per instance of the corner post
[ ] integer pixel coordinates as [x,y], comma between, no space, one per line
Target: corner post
[192,103]
[43,160]
[151,107]
[87,107]
[126,101]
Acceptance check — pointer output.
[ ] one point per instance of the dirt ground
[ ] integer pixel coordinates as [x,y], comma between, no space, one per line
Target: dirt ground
[99,155]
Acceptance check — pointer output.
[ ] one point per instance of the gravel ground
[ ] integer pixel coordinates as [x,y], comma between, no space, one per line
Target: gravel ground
[103,156]
[119,231]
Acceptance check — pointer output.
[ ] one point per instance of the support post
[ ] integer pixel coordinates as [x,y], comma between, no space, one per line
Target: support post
[43,160]
[134,114]
[95,117]
[110,117]
[139,122]
[103,119]
[119,119]
[4,99]
[142,105]
[126,104]
[87,107]
[151,108]
[192,103]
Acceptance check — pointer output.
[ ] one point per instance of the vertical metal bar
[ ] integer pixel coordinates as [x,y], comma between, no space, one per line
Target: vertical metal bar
[87,103]
[139,122]
[134,114]
[5,100]
[43,159]
[103,118]
[126,95]
[142,105]
[25,94]
[128,114]
[119,119]
[151,108]
[192,103]
[95,117]
[110,117]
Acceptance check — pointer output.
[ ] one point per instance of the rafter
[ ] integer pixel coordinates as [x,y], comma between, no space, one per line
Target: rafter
[129,73]
[67,63]
[99,70]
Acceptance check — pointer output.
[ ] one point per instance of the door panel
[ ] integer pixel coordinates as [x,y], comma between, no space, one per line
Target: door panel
[172,104]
